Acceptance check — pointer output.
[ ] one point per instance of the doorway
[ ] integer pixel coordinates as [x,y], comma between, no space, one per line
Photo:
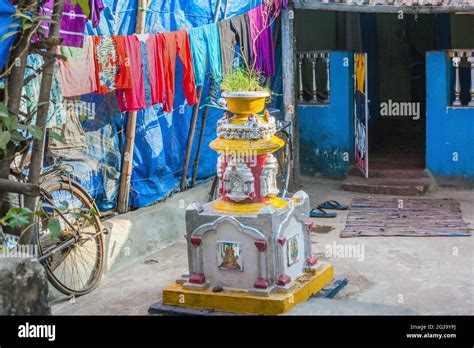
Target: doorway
[397,127]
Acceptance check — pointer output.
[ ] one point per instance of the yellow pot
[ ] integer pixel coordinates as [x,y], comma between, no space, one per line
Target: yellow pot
[243,104]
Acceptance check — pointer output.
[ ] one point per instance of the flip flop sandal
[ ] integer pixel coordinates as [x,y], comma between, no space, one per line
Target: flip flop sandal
[333,205]
[320,213]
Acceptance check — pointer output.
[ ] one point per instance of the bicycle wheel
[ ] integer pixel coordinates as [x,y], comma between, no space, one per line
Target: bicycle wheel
[73,259]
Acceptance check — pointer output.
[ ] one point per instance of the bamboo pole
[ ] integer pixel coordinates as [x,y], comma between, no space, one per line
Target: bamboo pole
[126,173]
[198,151]
[37,152]
[192,127]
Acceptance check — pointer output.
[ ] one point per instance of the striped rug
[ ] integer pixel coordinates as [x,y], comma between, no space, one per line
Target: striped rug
[405,217]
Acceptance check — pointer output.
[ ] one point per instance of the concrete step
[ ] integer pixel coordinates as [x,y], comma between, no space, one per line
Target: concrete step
[388,173]
[386,186]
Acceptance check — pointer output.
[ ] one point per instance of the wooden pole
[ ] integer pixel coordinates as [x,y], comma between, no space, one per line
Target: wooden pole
[126,174]
[192,126]
[289,95]
[198,151]
[37,152]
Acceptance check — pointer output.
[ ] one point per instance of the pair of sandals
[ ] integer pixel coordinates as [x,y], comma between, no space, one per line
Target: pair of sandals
[319,211]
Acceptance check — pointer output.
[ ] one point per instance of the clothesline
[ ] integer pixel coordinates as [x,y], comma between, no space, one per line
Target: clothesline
[140,69]
[154,11]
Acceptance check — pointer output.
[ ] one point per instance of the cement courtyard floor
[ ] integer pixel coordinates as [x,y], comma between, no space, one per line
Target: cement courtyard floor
[425,275]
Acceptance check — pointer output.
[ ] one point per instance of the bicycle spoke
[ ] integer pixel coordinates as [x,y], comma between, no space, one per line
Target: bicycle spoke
[83,264]
[77,269]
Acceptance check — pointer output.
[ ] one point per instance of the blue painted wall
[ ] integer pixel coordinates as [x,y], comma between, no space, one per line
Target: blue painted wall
[449,130]
[326,131]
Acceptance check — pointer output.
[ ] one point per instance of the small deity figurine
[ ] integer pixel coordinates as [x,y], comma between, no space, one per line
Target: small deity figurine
[252,121]
[224,120]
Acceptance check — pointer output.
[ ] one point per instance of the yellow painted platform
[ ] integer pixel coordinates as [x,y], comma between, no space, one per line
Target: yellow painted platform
[241,302]
[248,208]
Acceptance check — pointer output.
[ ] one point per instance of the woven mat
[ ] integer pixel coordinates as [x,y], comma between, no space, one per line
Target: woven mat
[415,218]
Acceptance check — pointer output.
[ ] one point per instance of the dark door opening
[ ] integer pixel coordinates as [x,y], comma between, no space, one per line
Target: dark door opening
[398,109]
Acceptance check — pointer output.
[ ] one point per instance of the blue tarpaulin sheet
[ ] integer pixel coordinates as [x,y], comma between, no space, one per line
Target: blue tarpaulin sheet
[160,142]
[7,25]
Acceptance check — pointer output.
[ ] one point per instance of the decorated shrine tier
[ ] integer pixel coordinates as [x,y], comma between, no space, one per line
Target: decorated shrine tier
[247,169]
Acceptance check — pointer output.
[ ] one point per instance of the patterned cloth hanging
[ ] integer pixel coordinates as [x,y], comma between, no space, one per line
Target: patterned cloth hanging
[29,102]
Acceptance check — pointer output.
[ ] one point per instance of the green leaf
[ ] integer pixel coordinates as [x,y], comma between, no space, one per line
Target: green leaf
[19,211]
[93,212]
[75,216]
[10,122]
[46,19]
[4,110]
[7,35]
[36,132]
[84,5]
[17,217]
[5,122]
[56,136]
[5,138]
[54,227]
[14,25]
[21,15]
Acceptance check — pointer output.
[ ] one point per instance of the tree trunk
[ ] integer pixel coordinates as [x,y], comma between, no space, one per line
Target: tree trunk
[37,153]
[13,91]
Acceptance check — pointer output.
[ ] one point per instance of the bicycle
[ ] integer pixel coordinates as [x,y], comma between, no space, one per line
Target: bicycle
[74,255]
[283,156]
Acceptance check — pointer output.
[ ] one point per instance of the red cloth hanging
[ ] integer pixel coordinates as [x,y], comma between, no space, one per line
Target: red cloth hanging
[133,99]
[178,42]
[123,78]
[155,47]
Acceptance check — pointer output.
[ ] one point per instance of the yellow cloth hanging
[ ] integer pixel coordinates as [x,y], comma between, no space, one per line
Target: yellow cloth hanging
[360,72]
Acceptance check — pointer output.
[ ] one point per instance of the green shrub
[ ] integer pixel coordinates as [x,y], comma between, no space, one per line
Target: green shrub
[243,80]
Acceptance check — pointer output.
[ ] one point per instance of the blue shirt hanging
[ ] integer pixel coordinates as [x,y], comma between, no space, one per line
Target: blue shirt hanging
[205,44]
